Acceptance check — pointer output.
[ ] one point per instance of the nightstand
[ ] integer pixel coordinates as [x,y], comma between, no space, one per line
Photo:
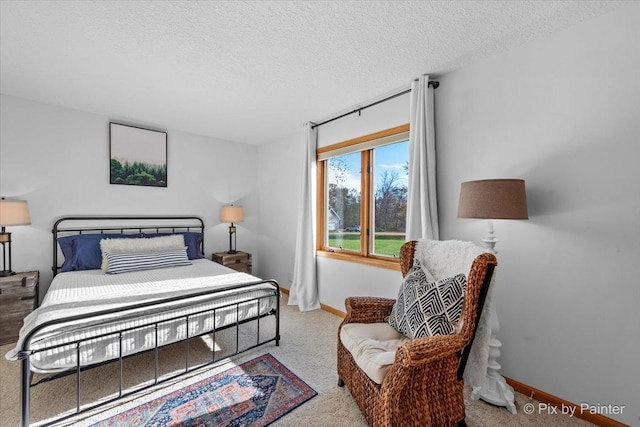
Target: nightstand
[18,298]
[240,261]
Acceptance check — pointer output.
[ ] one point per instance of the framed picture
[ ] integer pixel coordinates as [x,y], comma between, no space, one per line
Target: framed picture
[137,156]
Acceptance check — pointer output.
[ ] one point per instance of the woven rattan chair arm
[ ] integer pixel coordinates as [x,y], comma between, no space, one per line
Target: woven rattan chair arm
[367,309]
[428,349]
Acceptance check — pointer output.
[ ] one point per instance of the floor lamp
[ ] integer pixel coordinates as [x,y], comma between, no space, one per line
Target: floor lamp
[493,199]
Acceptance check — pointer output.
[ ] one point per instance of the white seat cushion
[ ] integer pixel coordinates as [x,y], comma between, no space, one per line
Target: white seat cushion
[373,347]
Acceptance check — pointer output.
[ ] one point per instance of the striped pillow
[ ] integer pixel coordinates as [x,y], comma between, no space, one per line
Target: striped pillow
[123,263]
[143,244]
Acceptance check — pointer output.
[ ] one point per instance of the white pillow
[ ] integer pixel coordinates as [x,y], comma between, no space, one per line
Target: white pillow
[142,245]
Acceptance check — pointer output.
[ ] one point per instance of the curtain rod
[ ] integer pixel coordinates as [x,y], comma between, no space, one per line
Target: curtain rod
[433,83]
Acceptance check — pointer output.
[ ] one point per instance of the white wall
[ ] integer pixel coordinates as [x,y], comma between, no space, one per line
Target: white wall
[389,114]
[279,185]
[58,160]
[563,114]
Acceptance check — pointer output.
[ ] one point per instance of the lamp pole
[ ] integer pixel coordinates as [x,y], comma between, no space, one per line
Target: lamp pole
[232,233]
[494,389]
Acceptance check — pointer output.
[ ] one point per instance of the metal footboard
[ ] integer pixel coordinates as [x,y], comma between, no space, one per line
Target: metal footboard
[26,353]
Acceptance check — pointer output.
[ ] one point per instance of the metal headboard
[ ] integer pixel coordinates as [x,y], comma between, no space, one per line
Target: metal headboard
[124,224]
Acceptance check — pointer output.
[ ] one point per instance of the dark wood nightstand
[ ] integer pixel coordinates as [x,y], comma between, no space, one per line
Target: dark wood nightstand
[240,261]
[18,298]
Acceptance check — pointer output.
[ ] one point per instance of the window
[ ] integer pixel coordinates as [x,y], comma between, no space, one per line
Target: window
[344,196]
[362,197]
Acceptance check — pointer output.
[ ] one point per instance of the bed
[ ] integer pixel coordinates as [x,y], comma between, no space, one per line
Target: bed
[90,317]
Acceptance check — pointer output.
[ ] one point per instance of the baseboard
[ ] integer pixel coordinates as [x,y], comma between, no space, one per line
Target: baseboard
[324,307]
[550,399]
[332,310]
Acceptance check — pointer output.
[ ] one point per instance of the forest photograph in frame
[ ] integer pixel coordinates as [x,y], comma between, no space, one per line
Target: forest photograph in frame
[137,156]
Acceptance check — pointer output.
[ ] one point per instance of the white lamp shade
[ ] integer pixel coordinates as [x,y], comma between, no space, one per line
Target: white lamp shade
[231,214]
[14,212]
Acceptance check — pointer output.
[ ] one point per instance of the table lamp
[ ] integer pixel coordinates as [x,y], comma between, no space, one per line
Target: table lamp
[232,214]
[12,212]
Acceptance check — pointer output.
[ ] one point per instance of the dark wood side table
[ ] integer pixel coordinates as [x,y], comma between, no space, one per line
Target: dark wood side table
[240,261]
[18,298]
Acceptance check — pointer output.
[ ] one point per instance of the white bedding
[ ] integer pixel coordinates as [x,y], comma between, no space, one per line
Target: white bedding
[82,292]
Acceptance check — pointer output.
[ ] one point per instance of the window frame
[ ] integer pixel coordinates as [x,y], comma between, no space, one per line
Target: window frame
[365,144]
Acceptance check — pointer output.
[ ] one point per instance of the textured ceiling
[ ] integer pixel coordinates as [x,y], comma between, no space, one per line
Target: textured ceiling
[252,71]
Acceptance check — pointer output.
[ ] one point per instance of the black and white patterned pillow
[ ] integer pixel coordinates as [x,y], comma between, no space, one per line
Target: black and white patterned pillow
[426,309]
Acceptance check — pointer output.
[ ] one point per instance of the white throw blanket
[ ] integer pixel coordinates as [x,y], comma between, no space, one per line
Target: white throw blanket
[446,259]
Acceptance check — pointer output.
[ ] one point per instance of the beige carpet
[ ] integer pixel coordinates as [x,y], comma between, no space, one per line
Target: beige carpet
[307,348]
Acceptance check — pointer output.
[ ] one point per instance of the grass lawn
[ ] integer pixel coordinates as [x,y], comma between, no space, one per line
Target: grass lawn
[384,244]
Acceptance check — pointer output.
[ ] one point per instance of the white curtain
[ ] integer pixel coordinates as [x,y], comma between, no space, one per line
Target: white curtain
[422,209]
[304,288]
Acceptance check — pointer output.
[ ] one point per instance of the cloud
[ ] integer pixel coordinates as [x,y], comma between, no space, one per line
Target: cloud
[395,166]
[349,180]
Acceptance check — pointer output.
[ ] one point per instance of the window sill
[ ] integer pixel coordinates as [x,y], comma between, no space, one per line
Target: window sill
[390,264]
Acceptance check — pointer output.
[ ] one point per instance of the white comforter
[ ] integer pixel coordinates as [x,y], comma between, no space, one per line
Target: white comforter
[91,291]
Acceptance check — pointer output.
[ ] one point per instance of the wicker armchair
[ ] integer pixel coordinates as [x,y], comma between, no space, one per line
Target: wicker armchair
[423,386]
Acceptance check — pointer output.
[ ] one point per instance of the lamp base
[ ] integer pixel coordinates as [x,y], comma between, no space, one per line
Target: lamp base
[5,273]
[231,252]
[495,389]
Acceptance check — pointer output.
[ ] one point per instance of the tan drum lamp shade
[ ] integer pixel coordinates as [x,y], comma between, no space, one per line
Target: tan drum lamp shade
[232,214]
[12,212]
[493,199]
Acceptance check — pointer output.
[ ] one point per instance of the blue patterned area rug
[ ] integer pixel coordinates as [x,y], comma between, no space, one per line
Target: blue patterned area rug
[255,393]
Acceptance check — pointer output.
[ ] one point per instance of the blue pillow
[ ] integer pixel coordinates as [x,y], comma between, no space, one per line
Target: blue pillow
[82,251]
[192,240]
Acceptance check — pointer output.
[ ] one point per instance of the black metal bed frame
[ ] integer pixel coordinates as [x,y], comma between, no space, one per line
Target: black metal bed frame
[25,352]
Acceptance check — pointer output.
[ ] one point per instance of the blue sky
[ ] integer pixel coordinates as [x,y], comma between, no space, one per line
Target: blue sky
[390,157]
